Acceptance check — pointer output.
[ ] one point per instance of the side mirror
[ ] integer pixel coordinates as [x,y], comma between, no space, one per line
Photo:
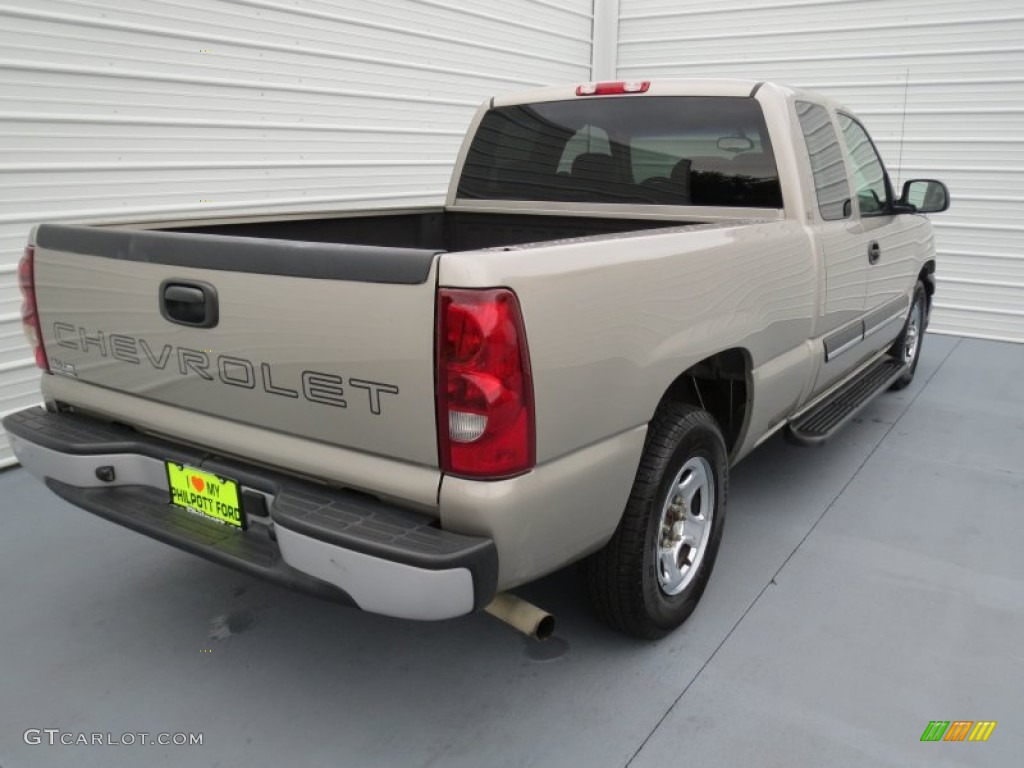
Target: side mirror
[924,196]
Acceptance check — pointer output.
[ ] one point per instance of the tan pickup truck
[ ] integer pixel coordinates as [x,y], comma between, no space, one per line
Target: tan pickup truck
[629,287]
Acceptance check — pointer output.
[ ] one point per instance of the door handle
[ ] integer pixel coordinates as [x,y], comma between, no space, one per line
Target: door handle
[874,253]
[189,303]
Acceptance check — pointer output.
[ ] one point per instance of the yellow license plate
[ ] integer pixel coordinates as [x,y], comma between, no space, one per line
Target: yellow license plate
[208,495]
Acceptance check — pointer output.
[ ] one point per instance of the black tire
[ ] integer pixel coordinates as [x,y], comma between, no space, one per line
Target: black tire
[916,323]
[625,579]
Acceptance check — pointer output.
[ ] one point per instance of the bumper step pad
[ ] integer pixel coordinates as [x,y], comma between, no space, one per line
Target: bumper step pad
[146,511]
[338,516]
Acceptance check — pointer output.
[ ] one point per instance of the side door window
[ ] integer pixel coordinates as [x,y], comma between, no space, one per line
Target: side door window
[869,179]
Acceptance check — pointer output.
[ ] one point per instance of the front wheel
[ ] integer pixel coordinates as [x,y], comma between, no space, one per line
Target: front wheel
[649,577]
[907,348]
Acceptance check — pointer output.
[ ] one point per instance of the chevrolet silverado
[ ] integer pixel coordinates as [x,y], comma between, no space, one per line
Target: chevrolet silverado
[629,287]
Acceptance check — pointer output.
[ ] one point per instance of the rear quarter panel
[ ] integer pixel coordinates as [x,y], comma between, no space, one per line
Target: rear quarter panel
[611,322]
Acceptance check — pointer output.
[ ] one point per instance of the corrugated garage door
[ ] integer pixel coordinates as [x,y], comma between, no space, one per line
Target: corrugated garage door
[964,116]
[179,108]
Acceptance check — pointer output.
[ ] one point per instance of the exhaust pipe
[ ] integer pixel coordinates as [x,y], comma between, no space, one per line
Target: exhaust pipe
[522,616]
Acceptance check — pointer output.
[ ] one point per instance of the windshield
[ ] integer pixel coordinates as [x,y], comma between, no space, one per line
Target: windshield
[658,150]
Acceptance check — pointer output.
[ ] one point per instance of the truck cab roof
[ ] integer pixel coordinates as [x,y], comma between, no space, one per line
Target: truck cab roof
[666,87]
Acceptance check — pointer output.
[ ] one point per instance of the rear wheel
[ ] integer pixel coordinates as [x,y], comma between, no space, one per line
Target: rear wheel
[649,577]
[907,348]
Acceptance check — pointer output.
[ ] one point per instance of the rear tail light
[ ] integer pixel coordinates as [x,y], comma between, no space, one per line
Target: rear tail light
[612,88]
[485,415]
[29,308]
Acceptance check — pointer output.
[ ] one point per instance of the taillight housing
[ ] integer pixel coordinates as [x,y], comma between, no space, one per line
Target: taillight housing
[485,412]
[615,88]
[29,308]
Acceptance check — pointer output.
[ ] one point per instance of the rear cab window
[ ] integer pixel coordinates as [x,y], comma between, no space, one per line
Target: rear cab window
[659,150]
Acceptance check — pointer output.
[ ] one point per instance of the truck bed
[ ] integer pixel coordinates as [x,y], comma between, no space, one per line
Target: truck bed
[314,327]
[432,230]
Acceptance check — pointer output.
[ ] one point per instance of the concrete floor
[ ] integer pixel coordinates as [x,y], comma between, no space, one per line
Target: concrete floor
[862,590]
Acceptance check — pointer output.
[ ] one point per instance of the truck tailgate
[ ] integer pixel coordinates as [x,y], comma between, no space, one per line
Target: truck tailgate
[328,342]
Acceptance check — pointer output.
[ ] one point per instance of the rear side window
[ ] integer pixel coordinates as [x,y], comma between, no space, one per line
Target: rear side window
[659,150]
[827,166]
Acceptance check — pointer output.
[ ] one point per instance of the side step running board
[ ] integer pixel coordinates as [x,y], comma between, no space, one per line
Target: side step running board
[820,423]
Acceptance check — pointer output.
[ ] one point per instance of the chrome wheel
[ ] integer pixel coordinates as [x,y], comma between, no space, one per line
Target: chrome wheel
[650,576]
[685,526]
[912,334]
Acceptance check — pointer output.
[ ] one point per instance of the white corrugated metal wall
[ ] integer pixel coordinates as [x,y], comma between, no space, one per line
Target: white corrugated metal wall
[173,108]
[961,65]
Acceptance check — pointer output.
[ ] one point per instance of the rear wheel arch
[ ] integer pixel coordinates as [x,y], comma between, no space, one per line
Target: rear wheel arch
[720,384]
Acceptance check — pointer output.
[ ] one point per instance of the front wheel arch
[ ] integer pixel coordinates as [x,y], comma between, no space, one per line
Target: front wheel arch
[907,346]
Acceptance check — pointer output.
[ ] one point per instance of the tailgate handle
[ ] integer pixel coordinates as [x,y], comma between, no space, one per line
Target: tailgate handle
[187,302]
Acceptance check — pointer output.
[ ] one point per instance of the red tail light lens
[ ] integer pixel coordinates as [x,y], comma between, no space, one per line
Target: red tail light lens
[485,417]
[29,309]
